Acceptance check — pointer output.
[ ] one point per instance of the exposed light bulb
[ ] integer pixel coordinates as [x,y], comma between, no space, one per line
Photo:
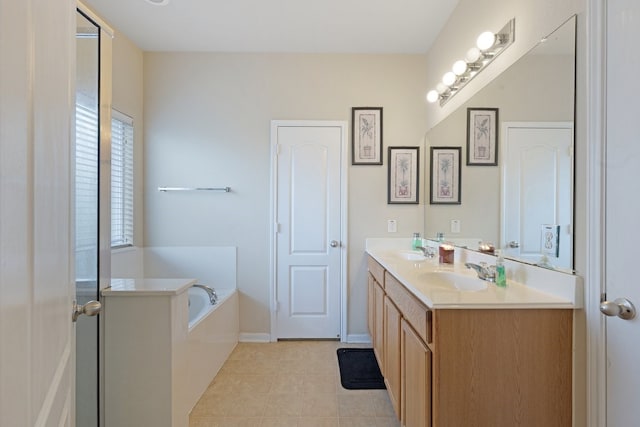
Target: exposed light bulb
[432,96]
[449,78]
[441,88]
[486,40]
[472,55]
[459,67]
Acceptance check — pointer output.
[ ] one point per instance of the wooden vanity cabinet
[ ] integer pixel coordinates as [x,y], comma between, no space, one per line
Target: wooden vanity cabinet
[376,296]
[416,379]
[392,352]
[471,367]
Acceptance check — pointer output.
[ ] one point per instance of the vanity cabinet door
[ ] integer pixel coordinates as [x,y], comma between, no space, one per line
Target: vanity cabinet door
[416,379]
[392,353]
[378,332]
[371,306]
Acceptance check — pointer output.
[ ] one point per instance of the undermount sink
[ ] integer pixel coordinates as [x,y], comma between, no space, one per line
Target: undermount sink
[458,281]
[412,255]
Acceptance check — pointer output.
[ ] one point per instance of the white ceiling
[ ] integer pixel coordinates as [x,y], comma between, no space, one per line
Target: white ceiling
[300,26]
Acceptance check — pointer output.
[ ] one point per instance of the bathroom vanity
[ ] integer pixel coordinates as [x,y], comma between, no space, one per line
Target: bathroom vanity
[457,351]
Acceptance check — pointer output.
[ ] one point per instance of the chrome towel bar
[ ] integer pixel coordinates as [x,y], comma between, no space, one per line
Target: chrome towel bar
[165,189]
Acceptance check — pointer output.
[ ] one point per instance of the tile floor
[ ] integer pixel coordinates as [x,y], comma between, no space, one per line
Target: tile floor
[288,384]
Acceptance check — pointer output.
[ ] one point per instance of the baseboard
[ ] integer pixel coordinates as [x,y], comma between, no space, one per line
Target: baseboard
[359,339]
[253,337]
[262,337]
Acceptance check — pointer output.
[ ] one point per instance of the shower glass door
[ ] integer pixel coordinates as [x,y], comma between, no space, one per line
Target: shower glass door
[87,218]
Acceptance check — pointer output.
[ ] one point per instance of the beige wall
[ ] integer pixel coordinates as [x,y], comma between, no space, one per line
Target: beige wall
[207,123]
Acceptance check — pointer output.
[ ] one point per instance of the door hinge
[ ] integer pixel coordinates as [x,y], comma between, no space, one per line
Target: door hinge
[277,149]
[276,227]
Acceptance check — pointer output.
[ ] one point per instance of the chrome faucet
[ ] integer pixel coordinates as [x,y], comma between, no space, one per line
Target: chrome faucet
[213,297]
[427,251]
[485,272]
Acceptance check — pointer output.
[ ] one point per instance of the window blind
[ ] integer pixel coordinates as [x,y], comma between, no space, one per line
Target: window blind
[121,180]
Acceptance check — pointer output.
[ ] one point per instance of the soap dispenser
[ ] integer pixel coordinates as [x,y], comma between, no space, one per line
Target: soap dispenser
[416,242]
[501,274]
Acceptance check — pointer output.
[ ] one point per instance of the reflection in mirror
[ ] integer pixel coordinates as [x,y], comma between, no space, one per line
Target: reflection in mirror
[534,212]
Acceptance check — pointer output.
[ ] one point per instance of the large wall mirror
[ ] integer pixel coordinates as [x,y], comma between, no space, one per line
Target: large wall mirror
[524,204]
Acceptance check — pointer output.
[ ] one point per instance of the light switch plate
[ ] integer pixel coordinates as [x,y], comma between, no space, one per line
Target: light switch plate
[392,226]
[455,225]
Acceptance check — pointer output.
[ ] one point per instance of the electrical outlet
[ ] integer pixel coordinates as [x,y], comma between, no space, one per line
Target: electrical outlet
[392,226]
[455,225]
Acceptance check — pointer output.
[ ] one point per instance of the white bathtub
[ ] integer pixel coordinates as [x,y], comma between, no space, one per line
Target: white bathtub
[212,336]
[200,305]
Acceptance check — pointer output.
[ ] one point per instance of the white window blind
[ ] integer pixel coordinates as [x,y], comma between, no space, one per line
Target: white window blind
[86,183]
[121,180]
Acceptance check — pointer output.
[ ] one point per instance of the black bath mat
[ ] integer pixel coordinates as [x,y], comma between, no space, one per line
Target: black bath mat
[359,369]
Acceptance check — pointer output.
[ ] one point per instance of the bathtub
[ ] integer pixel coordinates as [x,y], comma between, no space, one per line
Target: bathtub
[200,305]
[212,336]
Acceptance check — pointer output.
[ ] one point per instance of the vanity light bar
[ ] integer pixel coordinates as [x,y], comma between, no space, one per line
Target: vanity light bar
[488,47]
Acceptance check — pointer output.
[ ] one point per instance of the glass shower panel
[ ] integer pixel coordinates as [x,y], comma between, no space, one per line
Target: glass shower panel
[86,217]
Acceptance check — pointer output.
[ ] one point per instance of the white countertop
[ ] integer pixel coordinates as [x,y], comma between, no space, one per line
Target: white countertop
[147,286]
[516,295]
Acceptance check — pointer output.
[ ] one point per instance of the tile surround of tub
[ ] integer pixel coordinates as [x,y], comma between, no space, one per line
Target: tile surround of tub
[290,383]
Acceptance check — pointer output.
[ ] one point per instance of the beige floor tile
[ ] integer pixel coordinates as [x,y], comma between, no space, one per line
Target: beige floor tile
[318,422]
[382,405]
[288,384]
[320,405]
[355,405]
[224,422]
[283,405]
[279,422]
[247,405]
[319,383]
[368,422]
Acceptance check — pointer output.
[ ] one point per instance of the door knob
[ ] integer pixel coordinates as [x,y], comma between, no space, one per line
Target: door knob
[91,308]
[334,244]
[621,307]
[513,244]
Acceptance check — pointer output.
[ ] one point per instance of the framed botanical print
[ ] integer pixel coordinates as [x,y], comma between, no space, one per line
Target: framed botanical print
[366,136]
[482,136]
[445,176]
[404,172]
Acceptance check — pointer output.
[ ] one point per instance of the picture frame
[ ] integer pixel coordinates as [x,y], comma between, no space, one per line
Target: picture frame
[482,136]
[446,176]
[404,174]
[366,135]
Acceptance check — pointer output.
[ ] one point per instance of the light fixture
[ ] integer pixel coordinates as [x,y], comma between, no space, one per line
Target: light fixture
[449,78]
[486,40]
[488,46]
[459,67]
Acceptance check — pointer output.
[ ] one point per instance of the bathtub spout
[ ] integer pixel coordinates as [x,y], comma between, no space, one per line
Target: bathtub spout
[213,297]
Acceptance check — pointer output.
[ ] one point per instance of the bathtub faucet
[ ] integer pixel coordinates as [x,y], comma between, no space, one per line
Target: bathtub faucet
[213,297]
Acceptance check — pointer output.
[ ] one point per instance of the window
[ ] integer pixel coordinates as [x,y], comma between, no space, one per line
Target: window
[121,180]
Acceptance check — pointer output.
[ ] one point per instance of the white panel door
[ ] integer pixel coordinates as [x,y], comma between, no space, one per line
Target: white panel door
[308,247]
[36,278]
[537,190]
[622,209]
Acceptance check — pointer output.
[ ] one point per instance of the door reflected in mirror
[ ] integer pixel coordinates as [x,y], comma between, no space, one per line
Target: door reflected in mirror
[536,92]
